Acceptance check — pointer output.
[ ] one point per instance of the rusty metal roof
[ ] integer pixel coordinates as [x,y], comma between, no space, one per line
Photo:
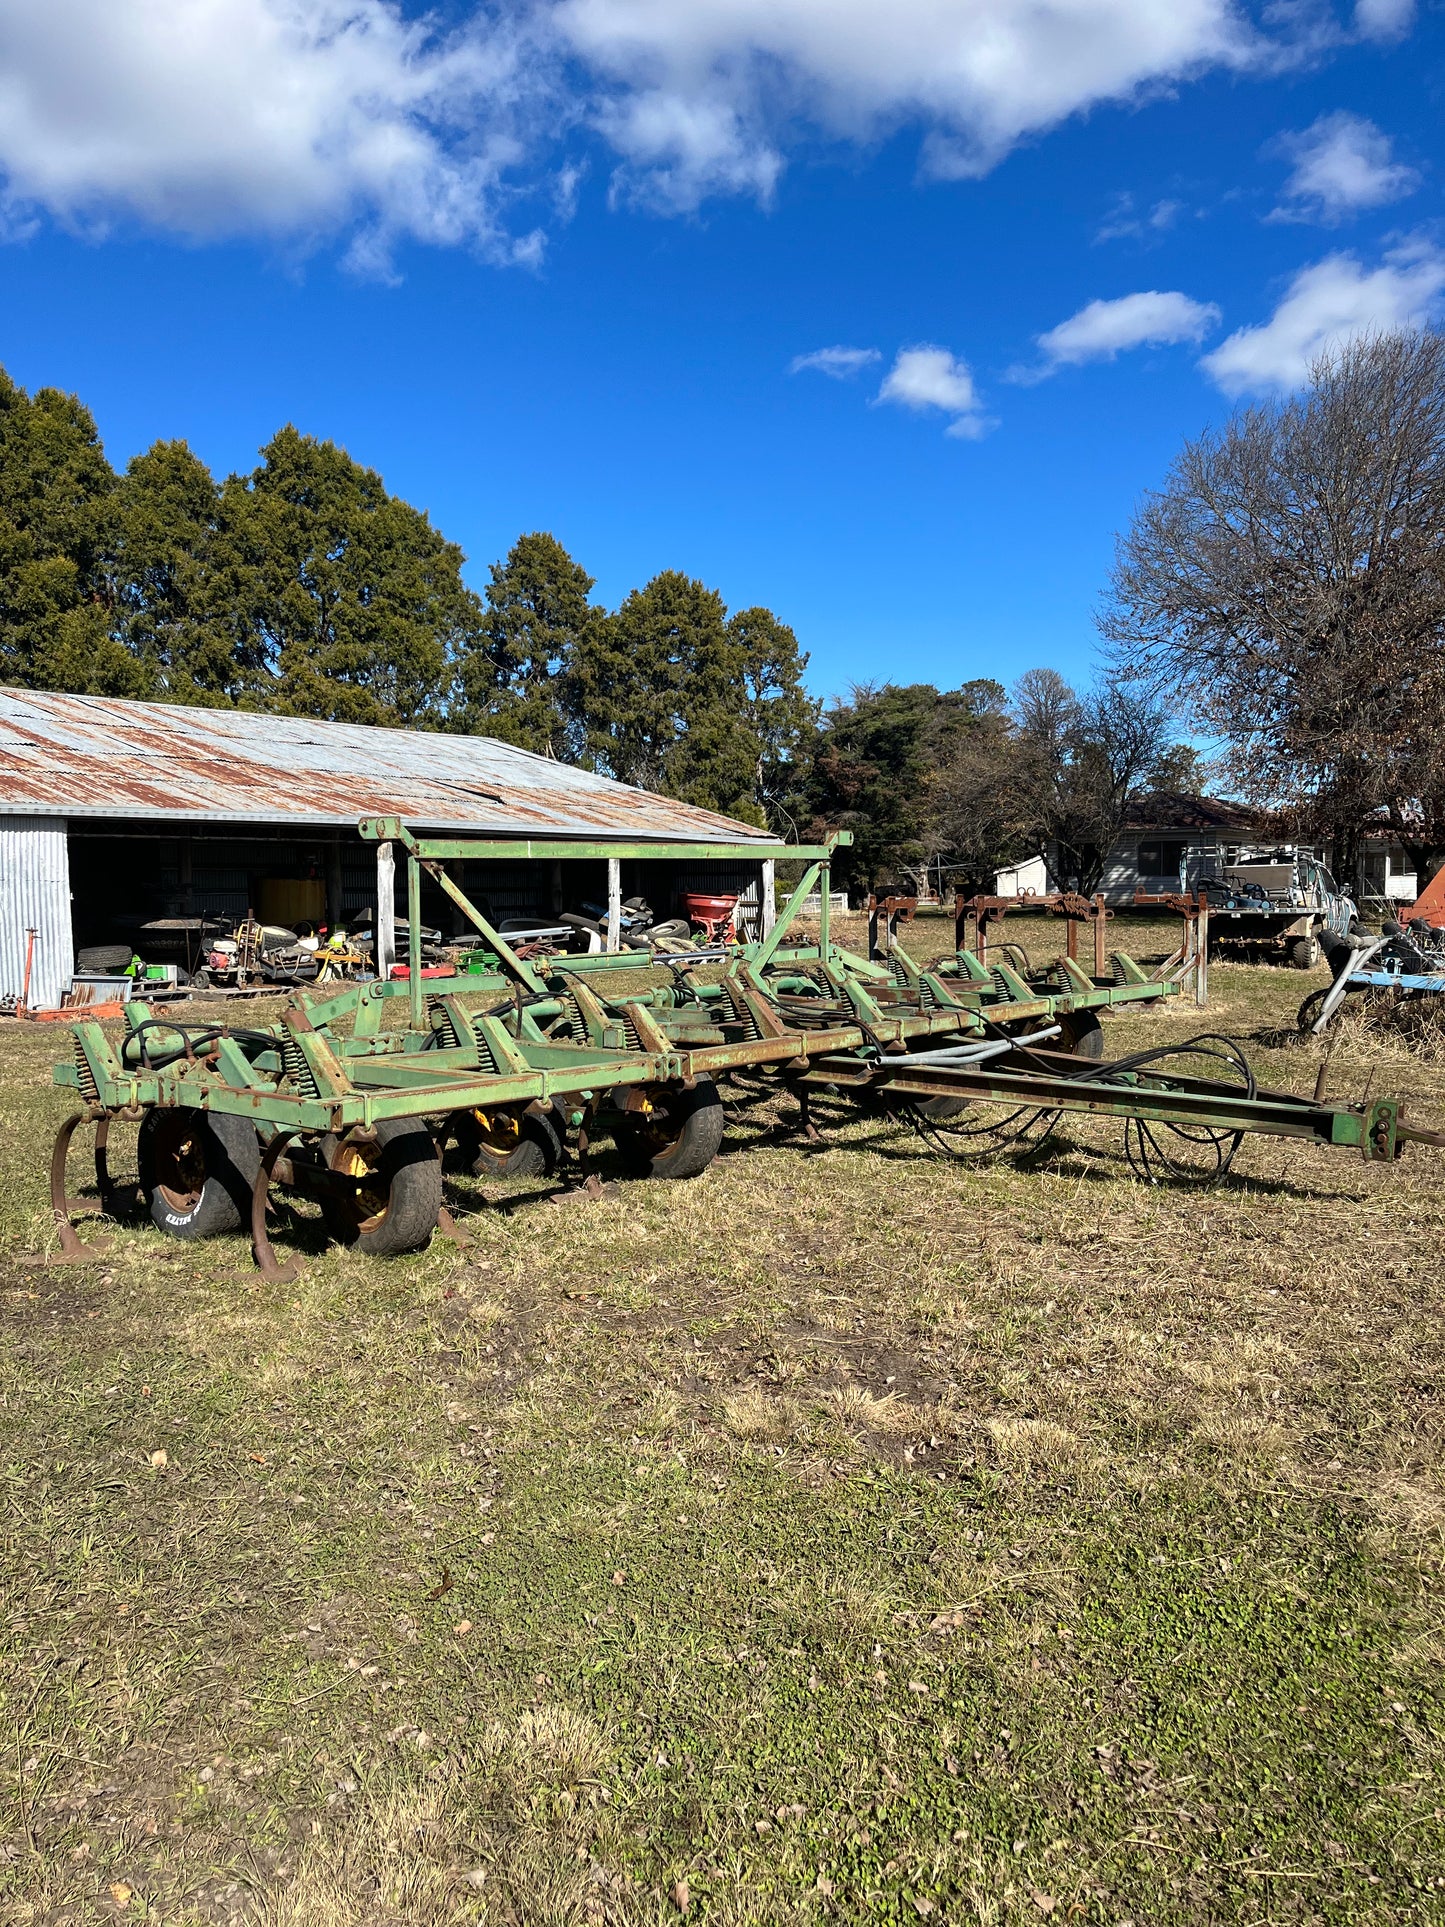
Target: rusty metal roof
[95,756]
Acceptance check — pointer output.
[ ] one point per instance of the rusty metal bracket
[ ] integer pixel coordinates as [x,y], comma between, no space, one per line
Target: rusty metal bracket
[261,1246]
[451,1230]
[591,1187]
[66,1209]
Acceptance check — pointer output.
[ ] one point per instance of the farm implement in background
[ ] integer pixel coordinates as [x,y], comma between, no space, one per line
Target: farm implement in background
[349,1100]
[1403,969]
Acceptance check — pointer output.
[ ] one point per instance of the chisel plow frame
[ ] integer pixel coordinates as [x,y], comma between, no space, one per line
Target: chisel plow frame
[352,1097]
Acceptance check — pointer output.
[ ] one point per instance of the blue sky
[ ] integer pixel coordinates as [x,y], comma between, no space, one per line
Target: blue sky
[562,266]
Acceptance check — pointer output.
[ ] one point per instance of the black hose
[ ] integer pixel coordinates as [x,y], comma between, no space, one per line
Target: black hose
[194,1034]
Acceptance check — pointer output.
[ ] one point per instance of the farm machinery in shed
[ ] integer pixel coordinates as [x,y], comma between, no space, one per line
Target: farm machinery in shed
[350,1099]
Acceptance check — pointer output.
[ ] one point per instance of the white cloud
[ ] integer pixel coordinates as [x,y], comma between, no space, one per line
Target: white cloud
[1330,303]
[1103,329]
[301,119]
[927,377]
[1341,164]
[1126,222]
[840,363]
[291,118]
[1384,19]
[700,92]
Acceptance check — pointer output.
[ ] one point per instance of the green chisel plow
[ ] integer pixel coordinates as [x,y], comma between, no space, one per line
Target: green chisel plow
[355,1099]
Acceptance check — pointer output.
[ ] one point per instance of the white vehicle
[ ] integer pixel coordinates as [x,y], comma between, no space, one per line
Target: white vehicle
[1270,896]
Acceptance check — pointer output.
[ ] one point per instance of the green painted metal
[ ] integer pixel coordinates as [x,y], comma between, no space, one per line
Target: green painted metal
[444,849]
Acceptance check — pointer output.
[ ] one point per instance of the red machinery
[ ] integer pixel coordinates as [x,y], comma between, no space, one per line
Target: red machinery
[714,914]
[1429,906]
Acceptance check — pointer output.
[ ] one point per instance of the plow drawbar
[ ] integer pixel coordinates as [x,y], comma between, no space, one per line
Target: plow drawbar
[353,1100]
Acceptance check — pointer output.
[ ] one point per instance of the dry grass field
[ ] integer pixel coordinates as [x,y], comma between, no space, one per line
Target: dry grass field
[849,1535]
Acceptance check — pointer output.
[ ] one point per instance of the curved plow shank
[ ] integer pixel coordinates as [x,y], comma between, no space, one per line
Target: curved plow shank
[261,1246]
[66,1209]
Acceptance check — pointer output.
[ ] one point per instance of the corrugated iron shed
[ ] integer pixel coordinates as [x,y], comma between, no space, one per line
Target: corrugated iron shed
[95,756]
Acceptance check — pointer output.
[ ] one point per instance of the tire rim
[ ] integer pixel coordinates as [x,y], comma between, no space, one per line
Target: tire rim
[653,1130]
[360,1158]
[500,1132]
[180,1163]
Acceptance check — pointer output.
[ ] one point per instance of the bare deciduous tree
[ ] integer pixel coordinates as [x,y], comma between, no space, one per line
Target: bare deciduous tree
[1082,763]
[1287,584]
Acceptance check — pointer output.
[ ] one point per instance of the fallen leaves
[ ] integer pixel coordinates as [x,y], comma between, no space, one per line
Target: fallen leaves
[120,1893]
[680,1895]
[160,1460]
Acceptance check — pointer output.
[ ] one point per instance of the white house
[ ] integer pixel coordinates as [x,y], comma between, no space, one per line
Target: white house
[1150,852]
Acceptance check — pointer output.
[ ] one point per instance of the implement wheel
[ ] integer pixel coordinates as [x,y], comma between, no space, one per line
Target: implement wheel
[677,1136]
[196,1170]
[938,1110]
[1311,1009]
[1081,1034]
[397,1176]
[507,1144]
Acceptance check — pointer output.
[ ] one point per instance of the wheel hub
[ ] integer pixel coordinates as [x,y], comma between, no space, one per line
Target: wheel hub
[180,1163]
[359,1158]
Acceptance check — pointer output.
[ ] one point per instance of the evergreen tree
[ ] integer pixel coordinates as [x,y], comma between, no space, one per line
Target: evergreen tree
[306,588]
[537,619]
[161,563]
[878,767]
[342,602]
[655,695]
[56,509]
[778,713]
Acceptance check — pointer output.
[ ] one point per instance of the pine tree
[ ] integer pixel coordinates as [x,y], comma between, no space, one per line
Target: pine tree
[654,695]
[877,769]
[780,715]
[537,618]
[161,562]
[56,510]
[348,602]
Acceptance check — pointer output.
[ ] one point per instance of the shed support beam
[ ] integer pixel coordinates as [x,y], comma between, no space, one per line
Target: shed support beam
[384,925]
[768,909]
[614,903]
[335,911]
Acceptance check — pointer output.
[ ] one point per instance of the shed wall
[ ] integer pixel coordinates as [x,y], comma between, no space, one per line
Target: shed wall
[35,895]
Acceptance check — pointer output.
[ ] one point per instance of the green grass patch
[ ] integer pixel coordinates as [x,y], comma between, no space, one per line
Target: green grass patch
[848,1535]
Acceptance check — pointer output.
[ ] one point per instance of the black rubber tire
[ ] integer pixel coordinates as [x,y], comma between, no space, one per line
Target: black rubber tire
[409,1175]
[1309,1011]
[700,1121]
[102,958]
[537,1153]
[227,1152]
[938,1110]
[1303,952]
[1081,1034]
[201,979]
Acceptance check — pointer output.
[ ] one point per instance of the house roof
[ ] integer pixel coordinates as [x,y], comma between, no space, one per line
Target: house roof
[1173,810]
[95,756]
